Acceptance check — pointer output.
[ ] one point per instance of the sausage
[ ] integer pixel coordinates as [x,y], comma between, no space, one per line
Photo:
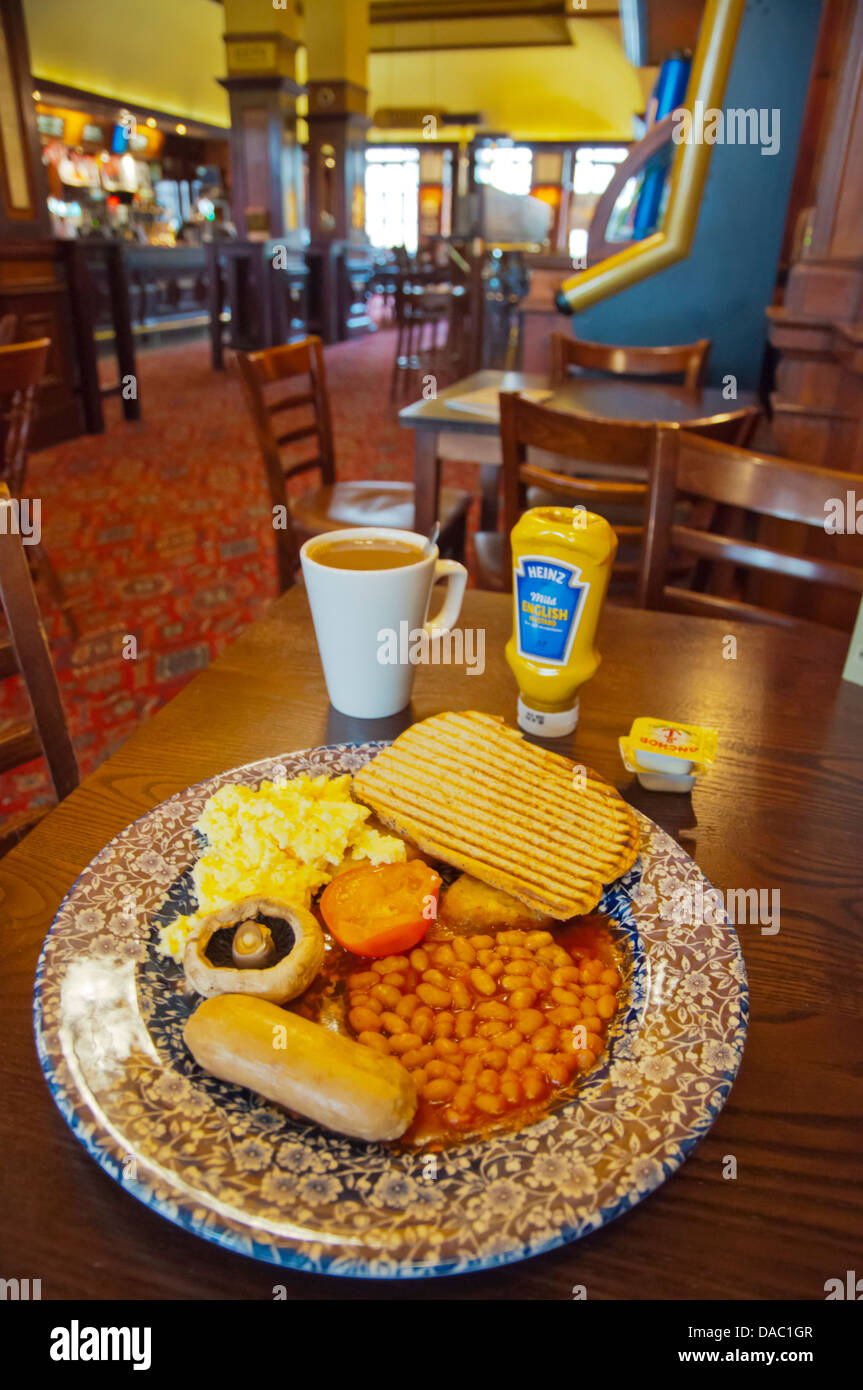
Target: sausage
[327,1078]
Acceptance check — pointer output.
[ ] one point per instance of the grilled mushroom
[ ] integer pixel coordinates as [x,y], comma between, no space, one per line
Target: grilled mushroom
[283,980]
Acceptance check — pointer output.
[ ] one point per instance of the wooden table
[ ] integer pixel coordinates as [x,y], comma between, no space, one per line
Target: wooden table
[441,432]
[782,808]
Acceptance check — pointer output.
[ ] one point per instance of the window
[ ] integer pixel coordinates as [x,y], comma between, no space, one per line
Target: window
[595,168]
[392,196]
[507,167]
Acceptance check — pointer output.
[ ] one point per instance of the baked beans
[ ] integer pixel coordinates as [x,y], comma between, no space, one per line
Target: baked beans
[485,1025]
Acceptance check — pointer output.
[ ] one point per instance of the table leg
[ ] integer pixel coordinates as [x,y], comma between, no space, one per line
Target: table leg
[426,480]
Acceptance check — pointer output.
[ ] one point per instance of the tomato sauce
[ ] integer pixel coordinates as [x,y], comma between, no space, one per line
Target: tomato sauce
[517,1057]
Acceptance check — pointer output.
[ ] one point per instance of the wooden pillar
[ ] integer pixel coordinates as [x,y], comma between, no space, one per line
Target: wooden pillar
[261,44]
[340,260]
[337,145]
[34,288]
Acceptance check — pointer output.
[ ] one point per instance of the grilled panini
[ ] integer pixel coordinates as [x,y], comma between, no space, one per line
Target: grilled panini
[469,790]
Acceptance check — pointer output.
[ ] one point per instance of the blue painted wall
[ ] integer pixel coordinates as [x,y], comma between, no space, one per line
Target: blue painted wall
[722,290]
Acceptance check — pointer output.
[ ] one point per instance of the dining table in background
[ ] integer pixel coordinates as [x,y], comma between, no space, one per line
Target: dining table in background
[781,809]
[442,431]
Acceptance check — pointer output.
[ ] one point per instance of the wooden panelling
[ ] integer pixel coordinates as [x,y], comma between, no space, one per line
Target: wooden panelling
[23,188]
[33,287]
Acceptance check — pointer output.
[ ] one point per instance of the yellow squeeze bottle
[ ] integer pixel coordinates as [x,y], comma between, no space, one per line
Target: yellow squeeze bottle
[561,562]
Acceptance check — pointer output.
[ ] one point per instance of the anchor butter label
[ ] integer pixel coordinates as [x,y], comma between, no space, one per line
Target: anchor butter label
[549,601]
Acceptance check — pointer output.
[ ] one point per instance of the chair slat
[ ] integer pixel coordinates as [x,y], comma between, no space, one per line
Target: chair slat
[773,486]
[571,486]
[304,466]
[292,436]
[686,360]
[291,402]
[18,745]
[714,606]
[740,552]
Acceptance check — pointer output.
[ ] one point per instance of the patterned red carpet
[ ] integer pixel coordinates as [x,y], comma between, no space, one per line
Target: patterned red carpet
[162,531]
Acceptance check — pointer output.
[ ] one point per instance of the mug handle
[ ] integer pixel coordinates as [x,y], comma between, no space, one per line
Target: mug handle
[456,576]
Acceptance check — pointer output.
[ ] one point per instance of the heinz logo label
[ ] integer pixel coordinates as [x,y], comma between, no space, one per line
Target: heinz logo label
[555,576]
[549,601]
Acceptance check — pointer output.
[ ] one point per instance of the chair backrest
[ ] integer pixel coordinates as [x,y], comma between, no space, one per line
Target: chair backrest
[686,360]
[8,329]
[425,296]
[524,425]
[26,651]
[21,369]
[269,367]
[586,439]
[736,478]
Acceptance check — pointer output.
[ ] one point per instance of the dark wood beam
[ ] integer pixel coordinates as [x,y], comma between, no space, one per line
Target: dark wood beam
[425,11]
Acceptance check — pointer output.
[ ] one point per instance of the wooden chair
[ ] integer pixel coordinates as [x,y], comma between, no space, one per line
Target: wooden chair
[620,452]
[25,651]
[8,329]
[730,477]
[429,312]
[687,360]
[22,366]
[332,505]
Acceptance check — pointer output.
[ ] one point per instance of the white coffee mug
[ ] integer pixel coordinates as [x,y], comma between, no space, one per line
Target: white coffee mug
[354,611]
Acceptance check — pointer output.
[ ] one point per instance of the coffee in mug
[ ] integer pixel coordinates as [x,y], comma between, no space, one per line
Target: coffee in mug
[365,583]
[369,553]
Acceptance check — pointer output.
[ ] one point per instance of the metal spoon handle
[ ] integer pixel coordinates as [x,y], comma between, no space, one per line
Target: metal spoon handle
[432,540]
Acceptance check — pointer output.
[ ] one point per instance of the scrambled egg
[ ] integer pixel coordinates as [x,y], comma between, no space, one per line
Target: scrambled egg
[284,840]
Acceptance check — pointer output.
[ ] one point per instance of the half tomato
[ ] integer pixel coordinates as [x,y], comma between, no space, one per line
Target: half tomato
[382,909]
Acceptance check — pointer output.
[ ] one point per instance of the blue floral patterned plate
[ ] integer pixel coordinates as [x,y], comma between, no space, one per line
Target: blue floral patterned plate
[214,1158]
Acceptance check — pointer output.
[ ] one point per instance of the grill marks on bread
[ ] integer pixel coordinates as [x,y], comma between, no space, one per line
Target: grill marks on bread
[469,790]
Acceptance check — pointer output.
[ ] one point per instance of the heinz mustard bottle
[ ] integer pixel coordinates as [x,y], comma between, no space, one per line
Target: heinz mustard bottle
[561,562]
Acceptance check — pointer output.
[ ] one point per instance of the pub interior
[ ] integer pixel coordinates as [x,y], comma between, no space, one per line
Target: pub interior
[526,259]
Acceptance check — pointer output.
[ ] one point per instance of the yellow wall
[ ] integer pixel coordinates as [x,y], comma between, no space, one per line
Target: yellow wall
[168,53]
[337,36]
[165,53]
[587,91]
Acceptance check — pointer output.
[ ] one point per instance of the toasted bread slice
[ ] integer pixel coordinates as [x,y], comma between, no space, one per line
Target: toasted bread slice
[469,790]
